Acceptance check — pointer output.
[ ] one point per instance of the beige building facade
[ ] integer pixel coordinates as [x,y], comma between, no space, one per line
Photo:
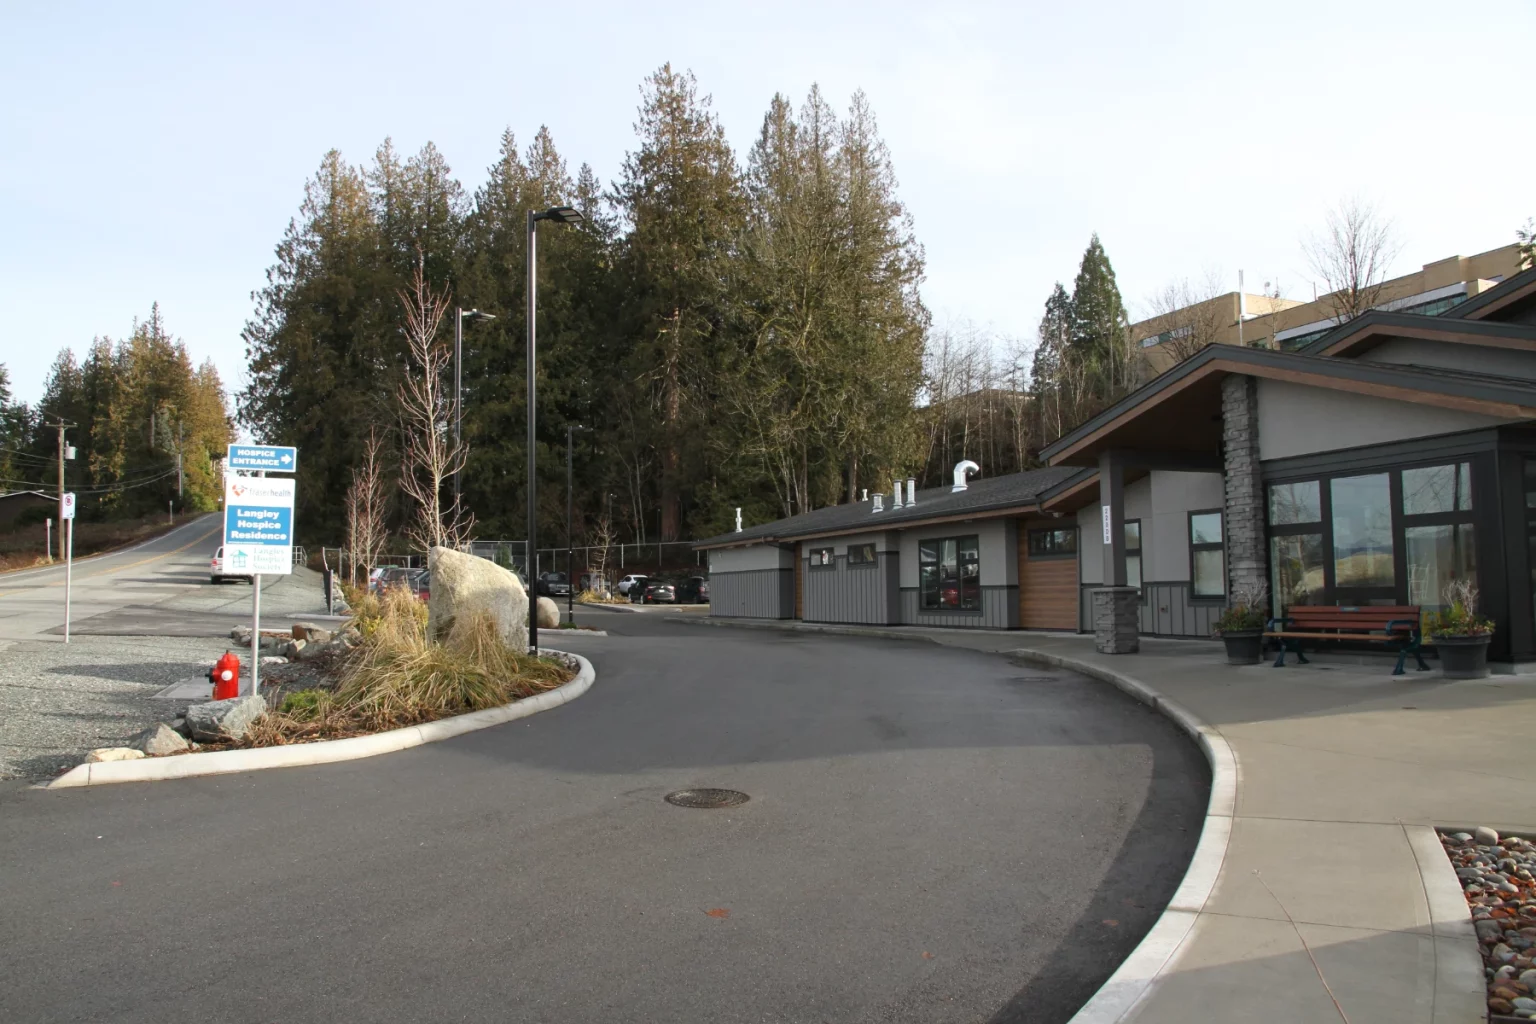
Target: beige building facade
[1264,321]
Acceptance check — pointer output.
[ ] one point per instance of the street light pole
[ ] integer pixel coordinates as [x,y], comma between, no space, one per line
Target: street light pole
[459,316]
[559,215]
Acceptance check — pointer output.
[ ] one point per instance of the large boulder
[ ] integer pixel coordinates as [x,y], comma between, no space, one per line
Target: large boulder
[549,614]
[463,585]
[225,719]
[159,739]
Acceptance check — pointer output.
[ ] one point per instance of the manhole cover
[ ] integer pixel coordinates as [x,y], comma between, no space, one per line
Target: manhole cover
[707,798]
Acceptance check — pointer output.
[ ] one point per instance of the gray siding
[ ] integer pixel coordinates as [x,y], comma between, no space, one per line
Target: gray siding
[859,594]
[999,610]
[1165,610]
[753,594]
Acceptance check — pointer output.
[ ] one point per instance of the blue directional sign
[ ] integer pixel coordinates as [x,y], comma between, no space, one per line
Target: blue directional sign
[271,458]
[258,525]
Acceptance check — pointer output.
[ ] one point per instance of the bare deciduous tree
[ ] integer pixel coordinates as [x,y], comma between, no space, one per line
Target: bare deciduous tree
[1186,311]
[365,508]
[430,456]
[1352,256]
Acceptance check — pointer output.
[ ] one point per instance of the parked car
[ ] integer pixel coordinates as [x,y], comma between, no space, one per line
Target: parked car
[636,593]
[554,584]
[422,584]
[628,582]
[693,590]
[658,592]
[217,573]
[382,579]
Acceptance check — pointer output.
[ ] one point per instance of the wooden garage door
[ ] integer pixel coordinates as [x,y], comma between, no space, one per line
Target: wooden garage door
[1048,586]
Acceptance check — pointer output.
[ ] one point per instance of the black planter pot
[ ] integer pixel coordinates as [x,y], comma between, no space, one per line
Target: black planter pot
[1463,657]
[1244,648]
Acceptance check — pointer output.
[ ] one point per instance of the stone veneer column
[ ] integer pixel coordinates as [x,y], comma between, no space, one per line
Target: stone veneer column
[1243,522]
[1116,620]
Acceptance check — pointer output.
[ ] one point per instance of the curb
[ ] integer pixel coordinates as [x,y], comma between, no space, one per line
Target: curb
[1134,979]
[221,762]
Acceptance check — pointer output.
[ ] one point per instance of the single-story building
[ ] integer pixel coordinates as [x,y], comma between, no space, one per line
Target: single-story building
[1389,457]
[13,504]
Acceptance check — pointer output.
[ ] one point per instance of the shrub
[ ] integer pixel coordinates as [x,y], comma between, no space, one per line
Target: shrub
[1459,617]
[1248,610]
[308,705]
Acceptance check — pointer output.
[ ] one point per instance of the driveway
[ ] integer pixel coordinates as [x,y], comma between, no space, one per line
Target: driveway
[932,835]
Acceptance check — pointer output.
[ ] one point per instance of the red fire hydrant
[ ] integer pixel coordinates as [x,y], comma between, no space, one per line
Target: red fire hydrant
[225,676]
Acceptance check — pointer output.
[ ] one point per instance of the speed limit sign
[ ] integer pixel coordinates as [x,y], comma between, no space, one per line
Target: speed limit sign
[67,506]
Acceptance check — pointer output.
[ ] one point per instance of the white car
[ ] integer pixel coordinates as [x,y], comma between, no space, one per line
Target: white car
[627,582]
[216,573]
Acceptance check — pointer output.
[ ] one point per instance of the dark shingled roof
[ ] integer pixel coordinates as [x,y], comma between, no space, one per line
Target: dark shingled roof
[983,495]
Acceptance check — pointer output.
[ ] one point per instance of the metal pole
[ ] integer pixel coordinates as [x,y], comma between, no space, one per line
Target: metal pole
[533,483]
[256,635]
[69,564]
[458,389]
[61,486]
[570,552]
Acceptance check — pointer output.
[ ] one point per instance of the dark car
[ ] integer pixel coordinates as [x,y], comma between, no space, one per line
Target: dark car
[693,590]
[636,592]
[554,584]
[658,592]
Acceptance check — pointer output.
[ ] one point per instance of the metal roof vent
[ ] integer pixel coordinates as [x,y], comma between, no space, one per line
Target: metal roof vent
[961,469]
[738,519]
[879,503]
[911,491]
[896,494]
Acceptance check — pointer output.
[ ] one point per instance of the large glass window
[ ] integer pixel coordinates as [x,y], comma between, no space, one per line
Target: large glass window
[949,574]
[1431,489]
[1296,570]
[1362,531]
[861,554]
[1437,555]
[1207,561]
[1290,504]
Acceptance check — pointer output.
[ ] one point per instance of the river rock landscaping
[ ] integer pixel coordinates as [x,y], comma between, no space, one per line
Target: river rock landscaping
[1496,873]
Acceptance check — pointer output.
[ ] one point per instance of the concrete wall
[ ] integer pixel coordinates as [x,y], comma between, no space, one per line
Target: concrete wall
[1296,419]
[1503,362]
[859,593]
[757,582]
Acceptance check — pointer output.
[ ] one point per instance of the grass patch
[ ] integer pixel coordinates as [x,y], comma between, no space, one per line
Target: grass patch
[593,597]
[398,677]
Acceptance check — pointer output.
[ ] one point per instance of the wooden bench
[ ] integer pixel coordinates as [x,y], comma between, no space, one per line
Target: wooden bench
[1383,624]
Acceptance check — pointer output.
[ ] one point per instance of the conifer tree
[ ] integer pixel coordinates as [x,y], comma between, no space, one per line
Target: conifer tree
[1099,324]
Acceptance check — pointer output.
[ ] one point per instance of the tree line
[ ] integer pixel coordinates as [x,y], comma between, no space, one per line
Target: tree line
[146,426]
[717,332]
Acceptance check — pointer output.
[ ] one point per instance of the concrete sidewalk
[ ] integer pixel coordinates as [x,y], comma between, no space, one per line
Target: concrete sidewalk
[1342,772]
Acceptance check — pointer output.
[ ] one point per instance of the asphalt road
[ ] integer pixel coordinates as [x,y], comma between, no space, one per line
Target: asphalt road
[932,835]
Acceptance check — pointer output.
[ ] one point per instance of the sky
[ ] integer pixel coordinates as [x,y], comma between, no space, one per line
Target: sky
[155,152]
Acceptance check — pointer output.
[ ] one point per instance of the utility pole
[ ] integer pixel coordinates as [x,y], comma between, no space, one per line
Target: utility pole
[64,452]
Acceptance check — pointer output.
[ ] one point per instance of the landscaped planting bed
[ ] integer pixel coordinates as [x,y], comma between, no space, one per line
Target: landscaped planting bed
[1496,873]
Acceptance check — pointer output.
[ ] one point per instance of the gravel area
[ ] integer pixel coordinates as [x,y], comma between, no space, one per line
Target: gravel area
[58,701]
[1497,876]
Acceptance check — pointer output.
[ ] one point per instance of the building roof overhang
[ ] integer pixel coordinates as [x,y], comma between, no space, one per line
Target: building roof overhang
[1503,299]
[1180,411]
[1369,330]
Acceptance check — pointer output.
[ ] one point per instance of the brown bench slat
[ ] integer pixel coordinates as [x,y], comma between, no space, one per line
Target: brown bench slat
[1332,636]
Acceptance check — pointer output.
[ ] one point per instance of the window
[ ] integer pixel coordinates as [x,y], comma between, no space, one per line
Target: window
[822,558]
[1207,559]
[1053,543]
[1392,537]
[1362,532]
[861,554]
[1133,553]
[1438,539]
[949,574]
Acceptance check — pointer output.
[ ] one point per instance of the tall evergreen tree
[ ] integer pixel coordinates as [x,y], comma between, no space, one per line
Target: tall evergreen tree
[1099,324]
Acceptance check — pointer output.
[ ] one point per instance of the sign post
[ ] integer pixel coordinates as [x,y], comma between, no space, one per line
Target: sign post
[67,512]
[258,540]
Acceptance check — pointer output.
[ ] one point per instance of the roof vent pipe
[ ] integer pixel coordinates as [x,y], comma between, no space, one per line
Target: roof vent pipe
[895,494]
[738,519]
[911,491]
[879,503]
[866,495]
[961,469]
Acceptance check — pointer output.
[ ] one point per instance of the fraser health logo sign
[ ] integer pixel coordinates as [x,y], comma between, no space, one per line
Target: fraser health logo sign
[258,525]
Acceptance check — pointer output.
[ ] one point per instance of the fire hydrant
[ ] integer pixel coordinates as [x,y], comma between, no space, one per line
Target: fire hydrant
[225,677]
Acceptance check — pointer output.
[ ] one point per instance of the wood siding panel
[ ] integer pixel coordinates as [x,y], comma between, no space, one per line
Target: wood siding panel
[1048,587]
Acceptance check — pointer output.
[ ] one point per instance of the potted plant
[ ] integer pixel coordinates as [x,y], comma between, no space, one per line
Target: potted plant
[1459,634]
[1241,625]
